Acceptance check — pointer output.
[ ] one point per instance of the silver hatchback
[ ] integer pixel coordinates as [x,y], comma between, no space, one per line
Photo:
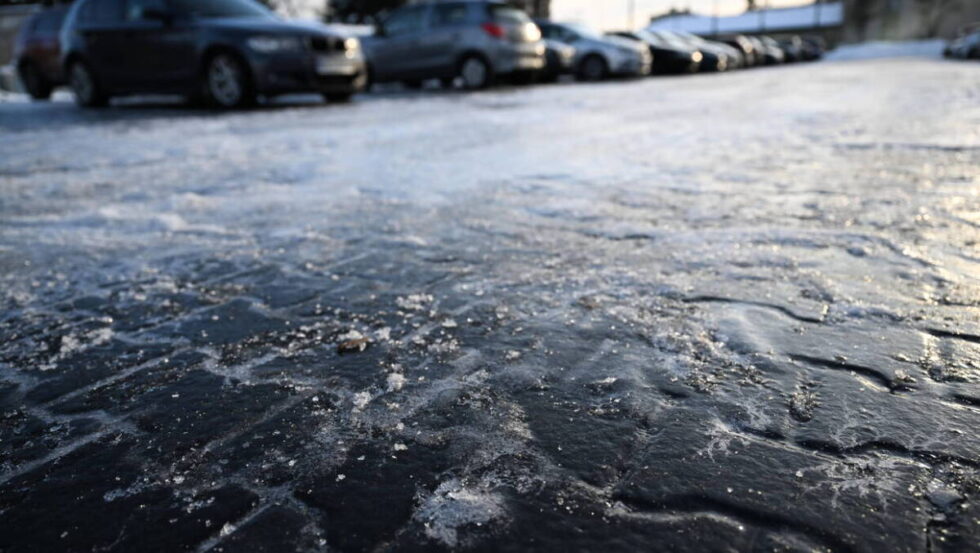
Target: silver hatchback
[471,42]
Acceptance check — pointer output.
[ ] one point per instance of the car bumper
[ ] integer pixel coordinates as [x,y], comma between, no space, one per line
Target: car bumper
[633,66]
[676,63]
[515,58]
[335,72]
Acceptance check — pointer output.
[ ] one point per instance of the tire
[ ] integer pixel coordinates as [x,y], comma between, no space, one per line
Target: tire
[475,73]
[412,84]
[34,83]
[337,97]
[88,92]
[593,68]
[448,83]
[227,83]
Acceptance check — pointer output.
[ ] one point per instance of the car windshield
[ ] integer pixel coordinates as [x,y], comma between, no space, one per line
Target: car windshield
[674,39]
[689,38]
[651,38]
[220,8]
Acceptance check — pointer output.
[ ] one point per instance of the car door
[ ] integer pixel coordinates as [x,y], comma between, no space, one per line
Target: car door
[99,27]
[438,46]
[395,54]
[160,48]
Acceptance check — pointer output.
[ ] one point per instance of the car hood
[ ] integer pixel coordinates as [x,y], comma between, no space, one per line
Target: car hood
[272,26]
[623,42]
[612,42]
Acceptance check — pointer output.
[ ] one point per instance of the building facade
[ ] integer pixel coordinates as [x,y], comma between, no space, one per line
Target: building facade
[907,19]
[838,21]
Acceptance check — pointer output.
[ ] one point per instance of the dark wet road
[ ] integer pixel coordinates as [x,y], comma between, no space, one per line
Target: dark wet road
[732,312]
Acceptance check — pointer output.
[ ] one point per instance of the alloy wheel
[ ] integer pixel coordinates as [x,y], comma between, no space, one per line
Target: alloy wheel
[83,84]
[226,81]
[475,73]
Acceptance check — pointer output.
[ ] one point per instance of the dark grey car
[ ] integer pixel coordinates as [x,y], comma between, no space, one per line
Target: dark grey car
[471,41]
[225,51]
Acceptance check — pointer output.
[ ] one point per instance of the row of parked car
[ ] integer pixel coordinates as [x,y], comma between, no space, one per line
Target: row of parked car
[966,46]
[229,52]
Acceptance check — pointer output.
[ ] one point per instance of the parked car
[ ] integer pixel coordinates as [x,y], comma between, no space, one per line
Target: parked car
[745,46]
[792,48]
[599,57]
[733,57]
[772,53]
[474,41]
[712,58]
[964,47]
[559,60]
[814,48]
[224,51]
[669,55]
[37,53]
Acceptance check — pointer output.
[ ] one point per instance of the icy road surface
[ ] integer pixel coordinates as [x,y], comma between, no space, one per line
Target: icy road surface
[723,312]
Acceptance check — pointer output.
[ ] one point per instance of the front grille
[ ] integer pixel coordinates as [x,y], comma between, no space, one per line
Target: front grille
[326,44]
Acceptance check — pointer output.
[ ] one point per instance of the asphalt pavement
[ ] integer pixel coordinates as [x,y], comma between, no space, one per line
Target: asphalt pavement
[701,313]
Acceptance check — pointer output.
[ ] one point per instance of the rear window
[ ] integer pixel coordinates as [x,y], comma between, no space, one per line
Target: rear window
[507,14]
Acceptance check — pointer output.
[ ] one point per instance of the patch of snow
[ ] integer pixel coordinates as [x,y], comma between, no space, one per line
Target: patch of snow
[887,49]
[414,302]
[395,382]
[454,506]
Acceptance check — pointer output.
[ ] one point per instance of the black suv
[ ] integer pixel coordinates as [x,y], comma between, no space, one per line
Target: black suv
[225,52]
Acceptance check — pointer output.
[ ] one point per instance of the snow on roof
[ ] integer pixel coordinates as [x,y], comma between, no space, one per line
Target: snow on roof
[829,14]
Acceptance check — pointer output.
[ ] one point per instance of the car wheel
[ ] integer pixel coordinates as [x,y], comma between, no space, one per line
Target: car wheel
[412,84]
[448,83]
[337,97]
[226,82]
[34,83]
[593,68]
[475,73]
[88,92]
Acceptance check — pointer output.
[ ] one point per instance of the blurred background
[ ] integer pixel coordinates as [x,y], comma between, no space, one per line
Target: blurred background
[844,20]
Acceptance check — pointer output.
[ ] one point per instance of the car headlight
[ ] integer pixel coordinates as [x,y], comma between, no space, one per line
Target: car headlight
[352,44]
[270,44]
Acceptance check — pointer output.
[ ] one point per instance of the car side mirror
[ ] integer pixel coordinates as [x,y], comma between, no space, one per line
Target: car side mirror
[379,30]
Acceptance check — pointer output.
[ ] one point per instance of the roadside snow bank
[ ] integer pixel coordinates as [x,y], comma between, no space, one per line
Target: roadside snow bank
[871,50]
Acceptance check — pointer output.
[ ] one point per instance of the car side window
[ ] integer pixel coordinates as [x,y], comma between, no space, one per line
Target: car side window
[136,8]
[449,15]
[101,12]
[405,21]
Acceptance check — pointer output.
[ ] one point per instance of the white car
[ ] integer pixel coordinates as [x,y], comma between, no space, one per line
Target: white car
[599,57]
